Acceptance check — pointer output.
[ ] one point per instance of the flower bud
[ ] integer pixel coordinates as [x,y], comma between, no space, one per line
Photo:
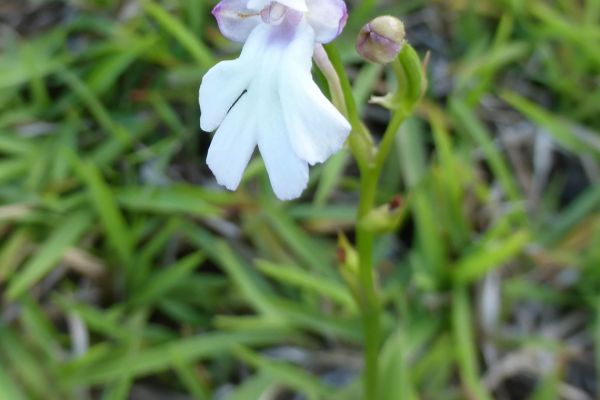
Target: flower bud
[381,40]
[387,217]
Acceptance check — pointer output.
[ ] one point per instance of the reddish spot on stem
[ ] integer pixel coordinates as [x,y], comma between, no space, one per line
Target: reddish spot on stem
[341,255]
[396,202]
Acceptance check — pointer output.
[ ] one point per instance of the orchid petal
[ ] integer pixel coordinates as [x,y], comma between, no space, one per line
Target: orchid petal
[287,172]
[257,5]
[224,83]
[327,18]
[235,19]
[232,145]
[315,128]
[299,5]
[220,88]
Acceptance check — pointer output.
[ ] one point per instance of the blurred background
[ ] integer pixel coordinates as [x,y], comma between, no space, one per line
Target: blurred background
[127,273]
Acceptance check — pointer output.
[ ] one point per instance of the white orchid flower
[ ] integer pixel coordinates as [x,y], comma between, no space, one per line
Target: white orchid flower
[267,97]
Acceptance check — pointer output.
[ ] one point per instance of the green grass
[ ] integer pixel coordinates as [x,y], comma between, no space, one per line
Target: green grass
[123,266]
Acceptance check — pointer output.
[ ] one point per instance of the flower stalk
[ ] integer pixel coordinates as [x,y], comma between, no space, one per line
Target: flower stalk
[371,159]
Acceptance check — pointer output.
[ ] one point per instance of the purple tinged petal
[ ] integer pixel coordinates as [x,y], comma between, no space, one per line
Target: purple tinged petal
[259,5]
[327,18]
[298,5]
[235,19]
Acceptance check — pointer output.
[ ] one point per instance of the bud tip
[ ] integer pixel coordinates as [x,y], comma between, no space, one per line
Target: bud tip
[381,40]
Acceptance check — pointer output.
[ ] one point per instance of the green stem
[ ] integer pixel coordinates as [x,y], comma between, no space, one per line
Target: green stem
[387,141]
[371,309]
[370,306]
